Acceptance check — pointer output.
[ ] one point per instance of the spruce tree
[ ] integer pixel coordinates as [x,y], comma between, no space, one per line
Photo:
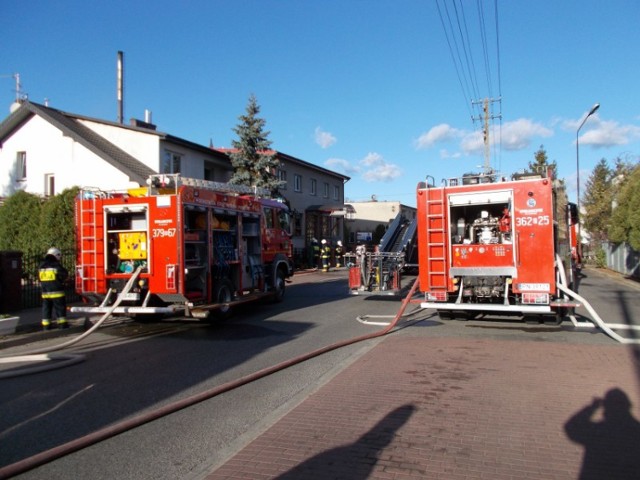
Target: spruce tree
[254,164]
[541,163]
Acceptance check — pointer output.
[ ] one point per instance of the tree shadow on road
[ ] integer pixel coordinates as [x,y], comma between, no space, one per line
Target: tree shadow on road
[612,444]
[356,460]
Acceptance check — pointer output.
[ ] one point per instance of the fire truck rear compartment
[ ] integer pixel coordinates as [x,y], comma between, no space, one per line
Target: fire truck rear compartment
[483,289]
[480,224]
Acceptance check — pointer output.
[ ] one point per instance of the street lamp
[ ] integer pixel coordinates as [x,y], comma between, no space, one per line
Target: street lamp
[579,239]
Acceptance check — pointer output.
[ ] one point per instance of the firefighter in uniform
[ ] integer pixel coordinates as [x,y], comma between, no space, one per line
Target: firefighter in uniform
[52,277]
[338,254]
[315,252]
[325,253]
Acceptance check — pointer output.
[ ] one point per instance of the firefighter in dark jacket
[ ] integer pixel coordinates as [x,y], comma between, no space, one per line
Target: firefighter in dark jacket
[325,253]
[52,279]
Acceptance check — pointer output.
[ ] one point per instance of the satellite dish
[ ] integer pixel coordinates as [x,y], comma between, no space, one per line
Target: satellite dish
[14,106]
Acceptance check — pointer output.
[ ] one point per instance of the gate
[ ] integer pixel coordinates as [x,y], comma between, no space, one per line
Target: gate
[31,284]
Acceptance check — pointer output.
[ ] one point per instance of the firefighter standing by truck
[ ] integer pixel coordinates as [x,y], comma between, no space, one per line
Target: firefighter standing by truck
[315,252]
[325,253]
[338,254]
[52,277]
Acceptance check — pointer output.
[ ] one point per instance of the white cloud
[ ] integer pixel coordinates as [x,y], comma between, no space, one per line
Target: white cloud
[439,133]
[472,143]
[341,165]
[372,168]
[372,159]
[609,133]
[379,170]
[445,154]
[324,139]
[382,173]
[518,135]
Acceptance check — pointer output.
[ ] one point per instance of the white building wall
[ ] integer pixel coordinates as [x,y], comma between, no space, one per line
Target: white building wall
[145,147]
[49,152]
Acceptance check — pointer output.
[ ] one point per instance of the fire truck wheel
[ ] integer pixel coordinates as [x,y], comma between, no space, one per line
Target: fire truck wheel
[279,286]
[223,294]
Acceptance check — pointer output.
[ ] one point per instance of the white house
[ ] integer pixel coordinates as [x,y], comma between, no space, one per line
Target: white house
[44,151]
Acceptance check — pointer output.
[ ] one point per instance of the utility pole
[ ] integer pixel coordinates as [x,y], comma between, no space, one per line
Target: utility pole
[486,116]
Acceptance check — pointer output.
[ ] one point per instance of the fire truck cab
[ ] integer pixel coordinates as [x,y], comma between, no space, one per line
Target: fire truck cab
[491,245]
[194,246]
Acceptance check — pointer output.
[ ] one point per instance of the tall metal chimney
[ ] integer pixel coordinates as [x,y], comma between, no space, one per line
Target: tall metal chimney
[120,87]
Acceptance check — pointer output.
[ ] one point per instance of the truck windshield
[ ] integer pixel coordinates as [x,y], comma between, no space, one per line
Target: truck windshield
[284,219]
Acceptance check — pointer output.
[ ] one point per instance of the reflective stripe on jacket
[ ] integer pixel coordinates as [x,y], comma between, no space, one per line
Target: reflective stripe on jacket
[52,276]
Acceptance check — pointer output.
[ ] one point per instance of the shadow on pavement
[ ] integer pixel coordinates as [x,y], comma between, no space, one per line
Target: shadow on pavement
[612,444]
[357,458]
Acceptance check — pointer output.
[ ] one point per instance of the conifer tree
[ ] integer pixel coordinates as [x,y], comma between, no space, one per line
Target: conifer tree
[541,163]
[254,164]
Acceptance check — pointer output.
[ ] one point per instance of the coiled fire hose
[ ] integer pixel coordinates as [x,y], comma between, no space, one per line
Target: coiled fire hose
[134,422]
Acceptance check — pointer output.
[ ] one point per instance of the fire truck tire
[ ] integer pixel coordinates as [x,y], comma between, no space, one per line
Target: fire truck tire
[279,286]
[223,294]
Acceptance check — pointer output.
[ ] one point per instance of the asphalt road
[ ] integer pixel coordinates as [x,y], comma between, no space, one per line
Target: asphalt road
[135,368]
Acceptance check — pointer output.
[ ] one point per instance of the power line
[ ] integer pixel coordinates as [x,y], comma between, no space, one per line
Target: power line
[461,46]
[455,64]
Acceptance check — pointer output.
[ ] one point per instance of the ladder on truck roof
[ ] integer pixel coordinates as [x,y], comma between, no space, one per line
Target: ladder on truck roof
[174,180]
[436,239]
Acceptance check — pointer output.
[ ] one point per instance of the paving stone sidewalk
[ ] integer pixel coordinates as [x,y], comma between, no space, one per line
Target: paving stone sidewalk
[452,408]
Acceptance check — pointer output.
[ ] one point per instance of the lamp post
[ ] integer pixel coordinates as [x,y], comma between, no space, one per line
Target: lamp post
[579,236]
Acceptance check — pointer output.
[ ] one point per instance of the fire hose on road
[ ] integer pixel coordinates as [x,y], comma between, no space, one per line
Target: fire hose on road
[121,427]
[60,360]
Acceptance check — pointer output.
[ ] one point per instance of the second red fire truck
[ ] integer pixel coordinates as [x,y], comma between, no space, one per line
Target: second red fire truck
[488,245]
[194,247]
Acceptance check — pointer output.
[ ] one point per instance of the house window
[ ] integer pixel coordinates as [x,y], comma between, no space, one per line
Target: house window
[336,192]
[49,184]
[314,187]
[297,183]
[171,162]
[282,177]
[297,223]
[21,166]
[326,190]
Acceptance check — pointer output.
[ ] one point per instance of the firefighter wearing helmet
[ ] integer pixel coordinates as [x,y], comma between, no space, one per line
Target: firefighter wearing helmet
[325,253]
[52,277]
[338,254]
[315,253]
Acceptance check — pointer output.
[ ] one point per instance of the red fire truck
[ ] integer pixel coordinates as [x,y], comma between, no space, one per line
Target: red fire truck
[490,245]
[195,247]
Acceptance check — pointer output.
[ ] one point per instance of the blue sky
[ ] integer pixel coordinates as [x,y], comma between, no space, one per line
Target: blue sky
[367,88]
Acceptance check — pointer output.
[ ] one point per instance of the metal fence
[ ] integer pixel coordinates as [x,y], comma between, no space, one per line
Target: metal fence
[31,284]
[622,259]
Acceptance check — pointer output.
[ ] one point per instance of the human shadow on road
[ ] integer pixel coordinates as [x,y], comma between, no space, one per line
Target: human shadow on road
[356,460]
[612,444]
